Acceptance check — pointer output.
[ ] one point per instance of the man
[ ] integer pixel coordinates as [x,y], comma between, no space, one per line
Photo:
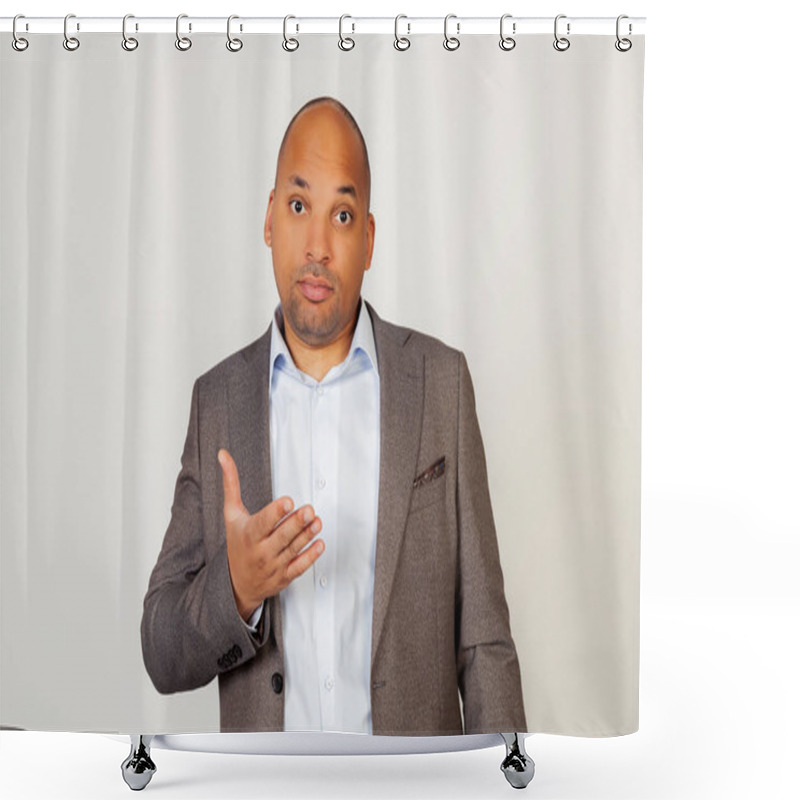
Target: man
[339,422]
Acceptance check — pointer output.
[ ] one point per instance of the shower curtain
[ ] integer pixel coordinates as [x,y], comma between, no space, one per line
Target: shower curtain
[507,196]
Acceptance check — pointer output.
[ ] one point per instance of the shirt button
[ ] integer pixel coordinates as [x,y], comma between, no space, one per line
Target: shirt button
[320,390]
[329,683]
[323,581]
[321,483]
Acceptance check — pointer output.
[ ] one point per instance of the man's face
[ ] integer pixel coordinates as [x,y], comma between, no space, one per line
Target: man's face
[318,226]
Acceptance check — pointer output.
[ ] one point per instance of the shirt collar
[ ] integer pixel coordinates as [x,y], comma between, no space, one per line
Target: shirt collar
[362,346]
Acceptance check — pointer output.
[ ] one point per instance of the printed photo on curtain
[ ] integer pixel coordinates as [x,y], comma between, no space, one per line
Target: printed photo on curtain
[321,385]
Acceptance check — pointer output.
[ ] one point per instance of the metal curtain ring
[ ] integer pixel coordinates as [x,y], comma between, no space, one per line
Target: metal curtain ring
[345,42]
[128,42]
[70,42]
[181,42]
[289,44]
[451,42]
[507,42]
[623,45]
[401,42]
[17,42]
[561,43]
[234,45]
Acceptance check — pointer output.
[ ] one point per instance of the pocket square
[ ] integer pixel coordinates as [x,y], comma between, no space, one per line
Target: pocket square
[433,471]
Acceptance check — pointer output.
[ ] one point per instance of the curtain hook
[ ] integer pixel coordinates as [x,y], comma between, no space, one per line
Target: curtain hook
[561,43]
[345,42]
[401,42]
[289,44]
[17,42]
[182,42]
[70,42]
[451,42]
[129,43]
[234,45]
[623,45]
[507,42]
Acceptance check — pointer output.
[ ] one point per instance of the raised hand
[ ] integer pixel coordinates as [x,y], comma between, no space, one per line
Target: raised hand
[265,549]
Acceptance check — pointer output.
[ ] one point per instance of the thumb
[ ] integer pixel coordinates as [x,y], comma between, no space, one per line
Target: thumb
[234,508]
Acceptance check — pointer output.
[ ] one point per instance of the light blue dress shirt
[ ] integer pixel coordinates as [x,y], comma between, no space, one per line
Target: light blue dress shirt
[325,450]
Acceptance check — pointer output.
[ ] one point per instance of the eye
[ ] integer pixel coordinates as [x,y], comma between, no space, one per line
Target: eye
[296,206]
[343,217]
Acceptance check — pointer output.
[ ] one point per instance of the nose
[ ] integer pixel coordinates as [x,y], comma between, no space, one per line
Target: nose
[318,243]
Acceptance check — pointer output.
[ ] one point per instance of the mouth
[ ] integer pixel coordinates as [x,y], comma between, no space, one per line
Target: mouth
[315,290]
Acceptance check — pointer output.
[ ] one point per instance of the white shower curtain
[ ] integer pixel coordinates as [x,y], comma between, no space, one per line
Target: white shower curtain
[506,188]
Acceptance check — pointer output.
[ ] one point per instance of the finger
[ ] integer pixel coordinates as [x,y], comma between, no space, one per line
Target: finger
[233,508]
[299,565]
[272,515]
[301,540]
[289,528]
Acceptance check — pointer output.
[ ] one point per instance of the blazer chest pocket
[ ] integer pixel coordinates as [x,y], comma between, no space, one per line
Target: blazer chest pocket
[429,486]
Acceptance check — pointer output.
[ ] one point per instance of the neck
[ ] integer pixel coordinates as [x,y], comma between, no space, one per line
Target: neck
[317,360]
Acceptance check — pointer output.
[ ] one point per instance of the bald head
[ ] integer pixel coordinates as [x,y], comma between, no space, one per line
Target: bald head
[332,112]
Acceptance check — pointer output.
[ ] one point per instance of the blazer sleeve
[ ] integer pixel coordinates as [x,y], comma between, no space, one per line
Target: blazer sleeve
[191,629]
[488,668]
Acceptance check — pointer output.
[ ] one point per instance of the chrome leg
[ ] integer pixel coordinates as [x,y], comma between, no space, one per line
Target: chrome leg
[518,766]
[138,768]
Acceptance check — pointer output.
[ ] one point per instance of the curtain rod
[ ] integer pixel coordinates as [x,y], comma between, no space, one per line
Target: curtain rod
[351,24]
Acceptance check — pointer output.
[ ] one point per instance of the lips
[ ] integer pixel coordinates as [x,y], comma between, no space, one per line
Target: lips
[316,291]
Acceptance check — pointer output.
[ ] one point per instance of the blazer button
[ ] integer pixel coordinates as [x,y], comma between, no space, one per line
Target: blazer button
[277,683]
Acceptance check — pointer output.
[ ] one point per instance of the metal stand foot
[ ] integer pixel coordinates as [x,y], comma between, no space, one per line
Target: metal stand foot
[138,768]
[518,766]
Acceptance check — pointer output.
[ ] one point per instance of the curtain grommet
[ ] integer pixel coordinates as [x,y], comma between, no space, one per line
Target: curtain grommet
[18,42]
[346,43]
[70,43]
[451,42]
[234,45]
[129,43]
[401,42]
[561,43]
[183,43]
[507,42]
[289,44]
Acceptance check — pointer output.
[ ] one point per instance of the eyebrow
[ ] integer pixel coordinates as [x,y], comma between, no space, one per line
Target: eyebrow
[296,180]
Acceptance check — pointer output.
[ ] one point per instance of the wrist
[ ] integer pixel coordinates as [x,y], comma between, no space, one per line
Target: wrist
[245,608]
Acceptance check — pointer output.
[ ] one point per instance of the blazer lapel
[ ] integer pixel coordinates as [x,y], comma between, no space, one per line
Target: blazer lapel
[248,414]
[401,423]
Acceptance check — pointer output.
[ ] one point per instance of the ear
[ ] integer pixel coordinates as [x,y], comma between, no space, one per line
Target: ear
[268,220]
[370,240]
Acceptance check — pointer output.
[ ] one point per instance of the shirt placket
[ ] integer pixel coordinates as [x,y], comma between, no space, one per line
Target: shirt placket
[324,459]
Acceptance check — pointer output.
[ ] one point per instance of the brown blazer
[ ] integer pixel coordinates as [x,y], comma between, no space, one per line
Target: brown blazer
[440,620]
